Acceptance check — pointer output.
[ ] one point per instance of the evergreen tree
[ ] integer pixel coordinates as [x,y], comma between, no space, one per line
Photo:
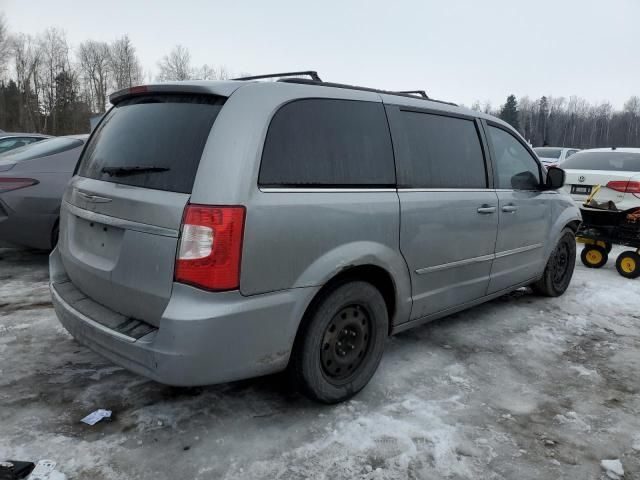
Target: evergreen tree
[543,115]
[509,112]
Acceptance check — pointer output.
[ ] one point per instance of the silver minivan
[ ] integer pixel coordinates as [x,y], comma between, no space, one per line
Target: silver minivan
[215,231]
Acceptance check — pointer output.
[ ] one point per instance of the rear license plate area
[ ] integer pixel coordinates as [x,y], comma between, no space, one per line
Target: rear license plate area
[97,239]
[581,189]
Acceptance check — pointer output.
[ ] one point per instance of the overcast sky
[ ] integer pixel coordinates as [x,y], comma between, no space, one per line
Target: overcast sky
[459,50]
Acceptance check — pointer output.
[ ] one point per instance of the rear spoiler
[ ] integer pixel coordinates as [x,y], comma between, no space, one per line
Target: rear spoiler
[223,89]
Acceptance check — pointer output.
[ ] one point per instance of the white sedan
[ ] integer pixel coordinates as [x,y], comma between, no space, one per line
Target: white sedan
[616,170]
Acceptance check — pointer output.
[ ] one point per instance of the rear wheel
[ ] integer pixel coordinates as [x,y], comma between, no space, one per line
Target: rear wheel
[340,343]
[594,256]
[559,270]
[628,264]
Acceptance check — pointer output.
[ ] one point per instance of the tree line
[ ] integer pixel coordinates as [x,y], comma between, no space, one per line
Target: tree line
[572,122]
[49,86]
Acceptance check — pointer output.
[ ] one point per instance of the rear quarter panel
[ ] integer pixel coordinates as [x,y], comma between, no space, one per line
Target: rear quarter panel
[304,239]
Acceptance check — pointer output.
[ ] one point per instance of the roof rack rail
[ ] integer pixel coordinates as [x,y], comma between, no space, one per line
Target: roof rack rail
[421,93]
[364,89]
[310,73]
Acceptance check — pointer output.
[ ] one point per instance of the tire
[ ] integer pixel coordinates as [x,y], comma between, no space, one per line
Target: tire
[559,269]
[628,264]
[594,256]
[340,343]
[608,247]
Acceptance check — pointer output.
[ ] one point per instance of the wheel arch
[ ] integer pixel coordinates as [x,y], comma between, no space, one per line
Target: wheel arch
[371,273]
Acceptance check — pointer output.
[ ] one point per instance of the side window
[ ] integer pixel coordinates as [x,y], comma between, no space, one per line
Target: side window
[11,143]
[326,142]
[436,151]
[570,152]
[515,166]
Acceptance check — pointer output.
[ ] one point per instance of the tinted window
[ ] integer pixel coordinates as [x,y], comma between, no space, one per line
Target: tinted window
[620,161]
[328,142]
[42,148]
[571,152]
[544,152]
[435,151]
[516,167]
[162,136]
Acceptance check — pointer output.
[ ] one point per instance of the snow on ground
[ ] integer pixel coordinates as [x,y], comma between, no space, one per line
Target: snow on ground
[523,387]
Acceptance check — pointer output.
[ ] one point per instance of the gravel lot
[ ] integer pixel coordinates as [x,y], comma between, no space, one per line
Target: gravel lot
[520,388]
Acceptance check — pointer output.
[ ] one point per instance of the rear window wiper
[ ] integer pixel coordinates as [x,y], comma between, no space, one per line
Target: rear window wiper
[124,171]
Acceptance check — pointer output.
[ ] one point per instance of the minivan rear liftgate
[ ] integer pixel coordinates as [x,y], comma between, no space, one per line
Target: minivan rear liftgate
[122,213]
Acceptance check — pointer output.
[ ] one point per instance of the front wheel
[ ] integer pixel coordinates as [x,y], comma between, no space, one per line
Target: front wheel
[559,270]
[340,343]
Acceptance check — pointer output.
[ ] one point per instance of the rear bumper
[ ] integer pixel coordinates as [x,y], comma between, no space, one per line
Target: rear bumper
[203,338]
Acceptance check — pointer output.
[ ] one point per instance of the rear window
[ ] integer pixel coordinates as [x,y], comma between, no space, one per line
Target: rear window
[326,142]
[436,151]
[152,141]
[544,152]
[616,161]
[42,148]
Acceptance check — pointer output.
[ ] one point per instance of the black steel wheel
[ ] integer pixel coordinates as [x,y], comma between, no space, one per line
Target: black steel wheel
[346,342]
[340,342]
[559,269]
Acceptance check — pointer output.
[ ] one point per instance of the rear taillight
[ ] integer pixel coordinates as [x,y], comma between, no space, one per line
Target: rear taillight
[8,183]
[624,186]
[210,247]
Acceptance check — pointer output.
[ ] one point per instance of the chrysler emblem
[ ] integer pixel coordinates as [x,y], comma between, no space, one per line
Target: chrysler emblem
[581,179]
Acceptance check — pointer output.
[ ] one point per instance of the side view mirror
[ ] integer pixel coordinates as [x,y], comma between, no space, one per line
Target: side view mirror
[524,181]
[555,178]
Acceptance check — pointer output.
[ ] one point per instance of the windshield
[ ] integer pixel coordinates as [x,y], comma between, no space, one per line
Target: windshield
[152,141]
[43,148]
[544,152]
[616,161]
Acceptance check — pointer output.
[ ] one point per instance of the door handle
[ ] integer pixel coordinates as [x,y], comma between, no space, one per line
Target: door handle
[486,209]
[509,208]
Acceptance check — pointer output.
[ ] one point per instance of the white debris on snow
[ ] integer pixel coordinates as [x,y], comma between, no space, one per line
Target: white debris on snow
[95,416]
[613,468]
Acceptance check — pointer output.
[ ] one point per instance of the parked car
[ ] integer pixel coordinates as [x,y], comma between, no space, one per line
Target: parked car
[216,231]
[616,170]
[11,141]
[32,181]
[554,156]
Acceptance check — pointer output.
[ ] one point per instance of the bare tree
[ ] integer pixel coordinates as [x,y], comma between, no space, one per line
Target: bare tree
[124,64]
[206,72]
[223,73]
[55,61]
[176,65]
[94,60]
[5,45]
[27,58]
